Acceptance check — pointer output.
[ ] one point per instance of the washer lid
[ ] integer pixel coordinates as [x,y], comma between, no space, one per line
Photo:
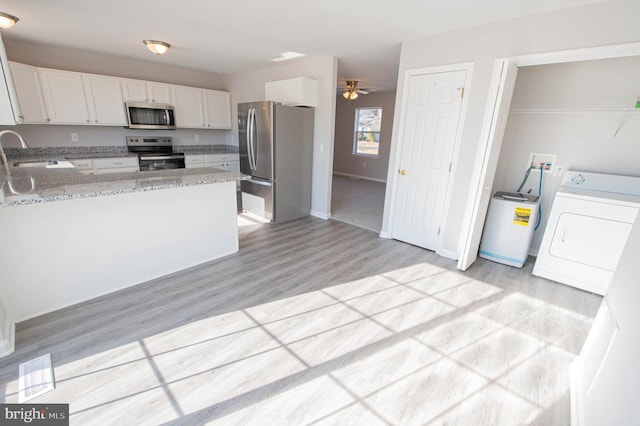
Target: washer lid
[516,196]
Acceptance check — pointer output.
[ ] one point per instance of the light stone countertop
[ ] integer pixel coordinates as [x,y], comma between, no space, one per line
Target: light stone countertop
[55,184]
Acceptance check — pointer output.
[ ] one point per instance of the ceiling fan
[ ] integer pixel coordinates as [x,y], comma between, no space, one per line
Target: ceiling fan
[351,90]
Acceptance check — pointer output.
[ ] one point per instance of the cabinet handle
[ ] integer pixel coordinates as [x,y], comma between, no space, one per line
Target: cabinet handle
[88,121]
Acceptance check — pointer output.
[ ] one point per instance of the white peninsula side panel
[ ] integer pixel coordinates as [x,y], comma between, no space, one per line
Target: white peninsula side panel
[59,253]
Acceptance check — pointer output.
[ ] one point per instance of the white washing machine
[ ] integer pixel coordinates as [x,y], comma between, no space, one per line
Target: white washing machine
[508,229]
[588,227]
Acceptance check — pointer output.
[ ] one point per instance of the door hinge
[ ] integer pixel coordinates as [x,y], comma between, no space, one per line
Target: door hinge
[461,89]
[450,165]
[438,230]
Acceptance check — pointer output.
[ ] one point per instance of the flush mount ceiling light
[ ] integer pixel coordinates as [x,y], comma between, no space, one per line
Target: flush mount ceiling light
[7,21]
[157,47]
[288,55]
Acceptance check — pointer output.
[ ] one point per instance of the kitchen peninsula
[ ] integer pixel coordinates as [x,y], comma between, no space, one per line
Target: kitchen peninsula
[74,237]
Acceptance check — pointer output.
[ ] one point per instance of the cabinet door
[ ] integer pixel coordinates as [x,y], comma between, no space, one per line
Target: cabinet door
[134,90]
[217,106]
[300,92]
[273,91]
[193,161]
[27,82]
[159,93]
[115,165]
[188,107]
[104,98]
[64,96]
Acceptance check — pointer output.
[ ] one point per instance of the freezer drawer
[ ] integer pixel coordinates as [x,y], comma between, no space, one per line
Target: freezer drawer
[258,198]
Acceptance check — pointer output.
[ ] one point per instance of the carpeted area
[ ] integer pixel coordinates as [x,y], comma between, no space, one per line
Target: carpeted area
[358,202]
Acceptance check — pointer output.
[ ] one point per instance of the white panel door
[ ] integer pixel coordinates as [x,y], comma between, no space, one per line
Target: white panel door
[497,114]
[428,141]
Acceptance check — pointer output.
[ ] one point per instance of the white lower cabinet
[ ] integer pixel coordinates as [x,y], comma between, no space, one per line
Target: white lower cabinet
[84,166]
[100,166]
[193,161]
[115,165]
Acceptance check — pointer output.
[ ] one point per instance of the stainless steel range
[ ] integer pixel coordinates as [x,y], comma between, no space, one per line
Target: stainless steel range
[155,152]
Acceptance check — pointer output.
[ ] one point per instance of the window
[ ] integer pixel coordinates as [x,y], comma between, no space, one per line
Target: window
[367,131]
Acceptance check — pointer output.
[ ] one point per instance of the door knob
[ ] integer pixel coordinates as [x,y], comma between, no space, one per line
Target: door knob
[403,172]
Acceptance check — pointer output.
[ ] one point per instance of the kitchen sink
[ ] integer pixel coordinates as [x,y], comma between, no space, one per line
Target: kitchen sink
[44,163]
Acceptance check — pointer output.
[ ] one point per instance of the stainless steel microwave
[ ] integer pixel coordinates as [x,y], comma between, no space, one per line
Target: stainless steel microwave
[143,115]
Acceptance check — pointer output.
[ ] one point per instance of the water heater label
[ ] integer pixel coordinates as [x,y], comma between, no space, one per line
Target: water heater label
[521,216]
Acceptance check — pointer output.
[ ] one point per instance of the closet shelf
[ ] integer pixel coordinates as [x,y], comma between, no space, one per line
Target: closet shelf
[571,110]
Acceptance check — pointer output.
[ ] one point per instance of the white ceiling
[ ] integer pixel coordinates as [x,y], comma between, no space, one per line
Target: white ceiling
[233,36]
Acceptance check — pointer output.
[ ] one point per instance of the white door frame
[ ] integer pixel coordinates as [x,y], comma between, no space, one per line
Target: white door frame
[395,157]
[481,163]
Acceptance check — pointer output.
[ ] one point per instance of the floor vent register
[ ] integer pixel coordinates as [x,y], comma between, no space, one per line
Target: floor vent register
[35,378]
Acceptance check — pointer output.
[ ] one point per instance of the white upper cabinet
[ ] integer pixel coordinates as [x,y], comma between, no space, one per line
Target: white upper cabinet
[146,91]
[134,90]
[160,93]
[217,108]
[29,90]
[188,107]
[201,108]
[65,96]
[88,99]
[301,91]
[104,98]
[73,98]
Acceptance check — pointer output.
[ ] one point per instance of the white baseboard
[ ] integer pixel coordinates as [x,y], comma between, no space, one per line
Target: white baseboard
[360,177]
[8,341]
[385,234]
[448,254]
[318,214]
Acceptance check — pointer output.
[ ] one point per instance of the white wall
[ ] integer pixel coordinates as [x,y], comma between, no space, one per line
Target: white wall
[248,87]
[609,22]
[602,142]
[343,159]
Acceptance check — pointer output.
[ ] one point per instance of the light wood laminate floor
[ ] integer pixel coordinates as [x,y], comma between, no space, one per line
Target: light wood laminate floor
[316,322]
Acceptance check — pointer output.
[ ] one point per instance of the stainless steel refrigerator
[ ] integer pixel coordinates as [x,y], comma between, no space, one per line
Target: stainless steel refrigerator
[276,150]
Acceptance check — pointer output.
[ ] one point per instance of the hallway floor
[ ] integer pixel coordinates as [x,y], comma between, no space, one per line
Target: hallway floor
[358,202]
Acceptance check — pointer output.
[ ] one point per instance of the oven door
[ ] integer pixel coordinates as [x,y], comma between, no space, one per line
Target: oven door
[161,162]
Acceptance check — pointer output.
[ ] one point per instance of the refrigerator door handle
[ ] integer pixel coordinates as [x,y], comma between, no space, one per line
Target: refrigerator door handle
[251,138]
[260,182]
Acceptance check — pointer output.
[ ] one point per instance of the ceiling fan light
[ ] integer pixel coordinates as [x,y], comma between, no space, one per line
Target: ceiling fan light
[350,96]
[7,21]
[157,47]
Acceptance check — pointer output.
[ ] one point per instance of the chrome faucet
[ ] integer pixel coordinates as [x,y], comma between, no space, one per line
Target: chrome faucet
[2,153]
[7,171]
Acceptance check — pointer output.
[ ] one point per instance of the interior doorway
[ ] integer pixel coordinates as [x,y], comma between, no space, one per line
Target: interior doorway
[358,202]
[361,158]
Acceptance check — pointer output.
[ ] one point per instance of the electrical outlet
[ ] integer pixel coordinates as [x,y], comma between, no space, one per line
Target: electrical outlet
[196,138]
[74,137]
[559,170]
[546,161]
